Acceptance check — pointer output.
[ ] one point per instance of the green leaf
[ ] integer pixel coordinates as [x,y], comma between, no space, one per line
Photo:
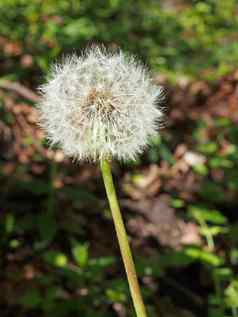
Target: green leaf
[14,243]
[101,263]
[115,295]
[80,254]
[202,213]
[177,203]
[203,256]
[56,258]
[79,28]
[231,294]
[234,256]
[201,169]
[213,231]
[208,148]
[223,273]
[175,259]
[220,162]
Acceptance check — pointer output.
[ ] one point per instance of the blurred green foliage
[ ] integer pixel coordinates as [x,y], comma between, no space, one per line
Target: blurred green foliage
[76,282]
[68,272]
[167,34]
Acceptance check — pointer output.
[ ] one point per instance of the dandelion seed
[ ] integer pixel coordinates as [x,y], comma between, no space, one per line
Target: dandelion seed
[100,105]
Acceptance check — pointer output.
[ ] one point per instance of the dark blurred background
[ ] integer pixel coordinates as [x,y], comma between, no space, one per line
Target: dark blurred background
[58,252]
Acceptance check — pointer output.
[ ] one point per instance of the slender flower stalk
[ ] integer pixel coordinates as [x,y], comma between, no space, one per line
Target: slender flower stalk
[122,239]
[98,106]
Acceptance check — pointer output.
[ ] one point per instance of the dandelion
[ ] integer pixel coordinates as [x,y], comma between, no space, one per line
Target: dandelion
[99,106]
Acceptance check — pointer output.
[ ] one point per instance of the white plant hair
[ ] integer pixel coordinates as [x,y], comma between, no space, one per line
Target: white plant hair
[100,105]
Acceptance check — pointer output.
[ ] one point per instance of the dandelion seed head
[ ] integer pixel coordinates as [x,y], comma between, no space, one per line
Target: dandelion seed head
[100,105]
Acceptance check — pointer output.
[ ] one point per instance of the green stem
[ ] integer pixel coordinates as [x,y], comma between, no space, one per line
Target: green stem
[123,240]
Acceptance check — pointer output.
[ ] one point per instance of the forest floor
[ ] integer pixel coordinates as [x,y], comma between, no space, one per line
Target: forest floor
[180,207]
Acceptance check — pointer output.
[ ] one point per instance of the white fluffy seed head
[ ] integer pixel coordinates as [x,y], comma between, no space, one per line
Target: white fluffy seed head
[100,105]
